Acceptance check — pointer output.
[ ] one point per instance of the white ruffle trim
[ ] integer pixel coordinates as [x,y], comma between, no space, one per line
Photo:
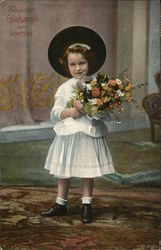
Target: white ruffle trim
[83,173]
[71,126]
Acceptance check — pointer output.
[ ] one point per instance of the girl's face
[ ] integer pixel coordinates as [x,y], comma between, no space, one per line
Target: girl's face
[78,65]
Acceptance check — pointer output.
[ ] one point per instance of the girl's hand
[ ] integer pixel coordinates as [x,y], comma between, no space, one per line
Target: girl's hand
[78,105]
[74,113]
[69,112]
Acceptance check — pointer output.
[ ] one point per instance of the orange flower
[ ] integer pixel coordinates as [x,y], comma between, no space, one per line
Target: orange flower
[112,82]
[96,92]
[128,87]
[128,96]
[126,79]
[99,102]
[106,99]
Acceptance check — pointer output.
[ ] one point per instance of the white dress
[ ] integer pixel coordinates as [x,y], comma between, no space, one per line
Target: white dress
[80,147]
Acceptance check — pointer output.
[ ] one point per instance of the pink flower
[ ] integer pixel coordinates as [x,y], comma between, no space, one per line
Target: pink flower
[79,85]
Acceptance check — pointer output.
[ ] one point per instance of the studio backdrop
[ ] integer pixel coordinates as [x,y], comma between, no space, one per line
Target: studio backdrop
[27,81]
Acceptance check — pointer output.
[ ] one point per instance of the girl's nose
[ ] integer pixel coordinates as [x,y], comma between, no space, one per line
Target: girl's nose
[77,67]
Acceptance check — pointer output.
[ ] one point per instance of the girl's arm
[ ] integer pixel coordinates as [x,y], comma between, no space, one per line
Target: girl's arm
[60,112]
[69,112]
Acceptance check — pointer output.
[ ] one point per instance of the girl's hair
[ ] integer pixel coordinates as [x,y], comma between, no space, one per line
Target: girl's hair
[88,54]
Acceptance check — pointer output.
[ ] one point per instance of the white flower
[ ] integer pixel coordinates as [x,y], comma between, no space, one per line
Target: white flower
[88,86]
[120,93]
[118,81]
[93,101]
[73,95]
[94,78]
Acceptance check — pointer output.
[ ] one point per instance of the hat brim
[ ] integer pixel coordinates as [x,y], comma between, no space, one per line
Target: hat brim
[72,35]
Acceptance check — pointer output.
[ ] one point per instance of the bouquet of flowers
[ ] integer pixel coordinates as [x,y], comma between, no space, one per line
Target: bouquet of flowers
[102,94]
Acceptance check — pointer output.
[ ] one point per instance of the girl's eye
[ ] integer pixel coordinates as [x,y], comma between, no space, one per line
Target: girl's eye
[74,64]
[83,62]
[71,64]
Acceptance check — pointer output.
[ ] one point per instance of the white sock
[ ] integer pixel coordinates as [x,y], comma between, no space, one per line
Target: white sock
[86,200]
[61,201]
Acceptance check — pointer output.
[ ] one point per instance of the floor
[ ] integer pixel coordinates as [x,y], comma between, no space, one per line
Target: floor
[123,219]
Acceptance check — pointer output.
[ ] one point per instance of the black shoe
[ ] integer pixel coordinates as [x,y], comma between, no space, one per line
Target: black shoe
[56,210]
[86,213]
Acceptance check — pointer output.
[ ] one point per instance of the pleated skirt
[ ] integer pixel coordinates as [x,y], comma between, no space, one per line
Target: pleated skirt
[79,155]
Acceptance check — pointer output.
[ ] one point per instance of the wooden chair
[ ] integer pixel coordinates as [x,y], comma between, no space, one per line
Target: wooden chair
[157,78]
[152,105]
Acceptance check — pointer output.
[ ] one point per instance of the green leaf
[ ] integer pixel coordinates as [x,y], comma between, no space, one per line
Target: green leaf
[69,104]
[87,108]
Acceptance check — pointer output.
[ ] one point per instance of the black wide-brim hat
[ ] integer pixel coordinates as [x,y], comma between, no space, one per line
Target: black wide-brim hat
[72,35]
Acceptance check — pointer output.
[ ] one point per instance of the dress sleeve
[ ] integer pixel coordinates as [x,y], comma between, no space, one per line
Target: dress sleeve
[59,106]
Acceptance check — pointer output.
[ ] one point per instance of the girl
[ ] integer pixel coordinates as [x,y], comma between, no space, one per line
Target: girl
[80,146]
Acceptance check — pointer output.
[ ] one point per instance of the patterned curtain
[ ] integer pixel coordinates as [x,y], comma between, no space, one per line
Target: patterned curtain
[27,81]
